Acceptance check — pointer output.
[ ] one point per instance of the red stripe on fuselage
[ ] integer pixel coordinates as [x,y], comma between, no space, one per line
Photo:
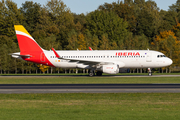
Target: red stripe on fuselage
[30,47]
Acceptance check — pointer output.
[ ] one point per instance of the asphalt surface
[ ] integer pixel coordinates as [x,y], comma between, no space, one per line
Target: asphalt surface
[89,88]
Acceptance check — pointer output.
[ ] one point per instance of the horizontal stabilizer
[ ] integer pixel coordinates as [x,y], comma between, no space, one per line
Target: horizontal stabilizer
[18,54]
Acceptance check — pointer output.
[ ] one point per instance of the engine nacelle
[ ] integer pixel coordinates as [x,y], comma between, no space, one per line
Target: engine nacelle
[110,69]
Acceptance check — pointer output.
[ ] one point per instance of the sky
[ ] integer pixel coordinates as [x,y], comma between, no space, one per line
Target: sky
[86,6]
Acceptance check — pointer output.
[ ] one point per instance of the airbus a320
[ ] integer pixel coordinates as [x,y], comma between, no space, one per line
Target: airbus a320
[101,61]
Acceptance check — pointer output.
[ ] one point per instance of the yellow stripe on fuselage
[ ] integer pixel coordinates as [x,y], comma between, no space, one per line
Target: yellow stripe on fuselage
[21,28]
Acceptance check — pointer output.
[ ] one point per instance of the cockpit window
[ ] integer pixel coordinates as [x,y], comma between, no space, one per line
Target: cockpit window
[161,56]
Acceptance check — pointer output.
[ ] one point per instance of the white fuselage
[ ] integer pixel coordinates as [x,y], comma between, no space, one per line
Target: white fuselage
[123,58]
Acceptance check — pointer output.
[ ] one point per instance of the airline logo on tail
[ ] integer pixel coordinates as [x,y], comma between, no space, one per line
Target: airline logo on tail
[29,48]
[26,43]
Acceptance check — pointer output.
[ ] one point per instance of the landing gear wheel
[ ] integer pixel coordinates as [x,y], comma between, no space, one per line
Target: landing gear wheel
[91,73]
[99,73]
[150,74]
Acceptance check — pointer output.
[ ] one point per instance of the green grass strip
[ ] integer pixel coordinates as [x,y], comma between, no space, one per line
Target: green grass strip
[86,80]
[117,106]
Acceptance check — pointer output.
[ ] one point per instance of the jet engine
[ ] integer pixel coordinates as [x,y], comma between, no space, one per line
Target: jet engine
[110,69]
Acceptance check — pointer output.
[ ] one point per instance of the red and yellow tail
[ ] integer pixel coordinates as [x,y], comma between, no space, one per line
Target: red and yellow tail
[29,48]
[26,42]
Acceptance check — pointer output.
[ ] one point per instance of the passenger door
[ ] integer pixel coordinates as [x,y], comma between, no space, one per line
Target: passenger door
[148,57]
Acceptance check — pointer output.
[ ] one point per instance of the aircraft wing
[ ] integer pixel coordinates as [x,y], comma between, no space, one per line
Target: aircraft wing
[85,62]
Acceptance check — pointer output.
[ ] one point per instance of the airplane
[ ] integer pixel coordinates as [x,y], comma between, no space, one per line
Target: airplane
[101,61]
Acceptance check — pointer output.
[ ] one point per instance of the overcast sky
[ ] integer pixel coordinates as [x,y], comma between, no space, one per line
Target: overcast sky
[85,6]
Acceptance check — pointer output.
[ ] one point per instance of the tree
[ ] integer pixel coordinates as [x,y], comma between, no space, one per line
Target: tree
[123,10]
[165,22]
[95,42]
[136,42]
[9,16]
[145,24]
[49,42]
[63,19]
[104,43]
[31,12]
[81,42]
[80,21]
[72,40]
[168,44]
[102,22]
[43,68]
[175,7]
[45,27]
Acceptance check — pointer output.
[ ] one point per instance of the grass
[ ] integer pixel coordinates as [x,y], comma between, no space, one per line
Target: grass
[124,106]
[80,106]
[86,80]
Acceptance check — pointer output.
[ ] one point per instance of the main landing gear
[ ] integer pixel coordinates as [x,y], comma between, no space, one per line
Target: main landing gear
[99,73]
[92,73]
[149,72]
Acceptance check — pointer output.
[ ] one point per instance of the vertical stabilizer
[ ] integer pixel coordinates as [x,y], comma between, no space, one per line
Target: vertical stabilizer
[26,43]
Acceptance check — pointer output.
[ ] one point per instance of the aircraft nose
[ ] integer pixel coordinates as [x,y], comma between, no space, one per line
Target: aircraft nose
[169,61]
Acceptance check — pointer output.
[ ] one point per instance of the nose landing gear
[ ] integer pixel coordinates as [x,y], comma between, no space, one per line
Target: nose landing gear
[149,72]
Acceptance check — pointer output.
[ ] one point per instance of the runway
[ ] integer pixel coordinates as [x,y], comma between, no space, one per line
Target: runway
[89,88]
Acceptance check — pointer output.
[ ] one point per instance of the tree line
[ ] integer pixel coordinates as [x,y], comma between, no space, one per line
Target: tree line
[121,25]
